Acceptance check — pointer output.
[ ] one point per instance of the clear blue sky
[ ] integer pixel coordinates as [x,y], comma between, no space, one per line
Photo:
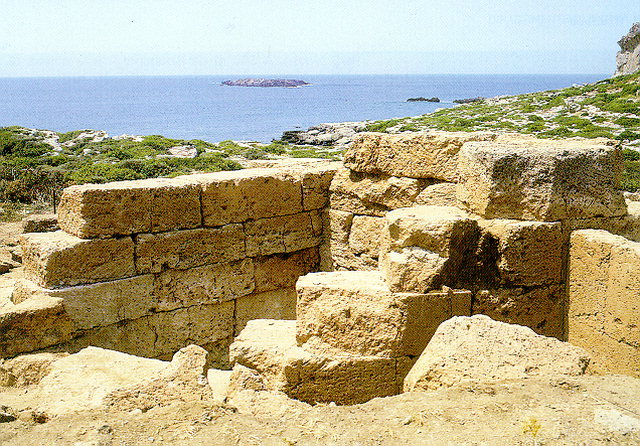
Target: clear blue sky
[145,37]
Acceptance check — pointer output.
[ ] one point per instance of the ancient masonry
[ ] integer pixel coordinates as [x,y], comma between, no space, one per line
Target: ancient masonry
[369,257]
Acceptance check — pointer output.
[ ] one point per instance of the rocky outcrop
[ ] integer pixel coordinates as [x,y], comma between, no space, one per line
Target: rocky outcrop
[258,82]
[628,58]
[338,134]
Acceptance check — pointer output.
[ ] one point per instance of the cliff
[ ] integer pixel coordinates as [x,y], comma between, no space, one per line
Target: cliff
[628,58]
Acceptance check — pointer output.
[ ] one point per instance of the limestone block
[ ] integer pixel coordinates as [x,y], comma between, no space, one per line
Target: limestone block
[106,303]
[439,194]
[354,312]
[604,310]
[247,194]
[40,223]
[365,235]
[283,234]
[340,226]
[529,253]
[525,178]
[275,304]
[57,259]
[129,207]
[160,335]
[414,269]
[427,247]
[34,324]
[539,308]
[344,259]
[282,270]
[82,380]
[189,248]
[316,180]
[27,370]
[203,285]
[269,347]
[372,195]
[432,154]
[479,349]
[628,226]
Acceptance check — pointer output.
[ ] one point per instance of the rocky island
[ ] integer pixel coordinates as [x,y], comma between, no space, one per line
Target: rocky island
[257,82]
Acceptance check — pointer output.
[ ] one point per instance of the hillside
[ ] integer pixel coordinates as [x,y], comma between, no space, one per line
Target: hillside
[36,163]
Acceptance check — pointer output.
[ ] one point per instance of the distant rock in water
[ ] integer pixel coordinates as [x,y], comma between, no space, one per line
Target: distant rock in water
[421,99]
[628,58]
[468,100]
[253,82]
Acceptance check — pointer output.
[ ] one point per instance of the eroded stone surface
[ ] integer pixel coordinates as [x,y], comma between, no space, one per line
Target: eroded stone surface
[189,248]
[269,347]
[129,207]
[355,312]
[57,259]
[427,247]
[526,178]
[604,310]
[479,349]
[431,154]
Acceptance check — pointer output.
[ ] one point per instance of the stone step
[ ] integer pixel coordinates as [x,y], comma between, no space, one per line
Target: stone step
[269,348]
[33,324]
[355,312]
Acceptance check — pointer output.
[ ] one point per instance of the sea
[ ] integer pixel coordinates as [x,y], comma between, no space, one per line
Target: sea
[199,107]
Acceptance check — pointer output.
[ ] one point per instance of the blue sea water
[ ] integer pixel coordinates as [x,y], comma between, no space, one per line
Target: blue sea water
[191,107]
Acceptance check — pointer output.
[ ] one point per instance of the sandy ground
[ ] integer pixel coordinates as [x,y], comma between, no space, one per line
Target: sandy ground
[584,411]
[568,411]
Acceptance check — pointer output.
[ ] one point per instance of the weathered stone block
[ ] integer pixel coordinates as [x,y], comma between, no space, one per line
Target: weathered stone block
[276,304]
[282,270]
[526,178]
[372,195]
[354,312]
[340,226]
[162,334]
[479,349]
[106,303]
[427,247]
[269,347]
[365,235]
[32,325]
[283,234]
[539,308]
[529,253]
[432,154]
[315,184]
[57,259]
[439,194]
[604,310]
[27,370]
[247,194]
[40,223]
[344,259]
[129,207]
[189,248]
[203,285]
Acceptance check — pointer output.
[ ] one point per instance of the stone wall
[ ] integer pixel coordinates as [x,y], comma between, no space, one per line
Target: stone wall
[150,266]
[432,224]
[604,303]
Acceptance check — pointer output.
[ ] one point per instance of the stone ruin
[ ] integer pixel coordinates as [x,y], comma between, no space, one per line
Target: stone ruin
[327,281]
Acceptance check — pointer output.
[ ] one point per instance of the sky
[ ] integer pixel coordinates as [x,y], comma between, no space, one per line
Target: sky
[251,37]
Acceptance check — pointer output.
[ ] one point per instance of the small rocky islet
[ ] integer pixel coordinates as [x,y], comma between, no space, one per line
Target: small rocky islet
[265,83]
